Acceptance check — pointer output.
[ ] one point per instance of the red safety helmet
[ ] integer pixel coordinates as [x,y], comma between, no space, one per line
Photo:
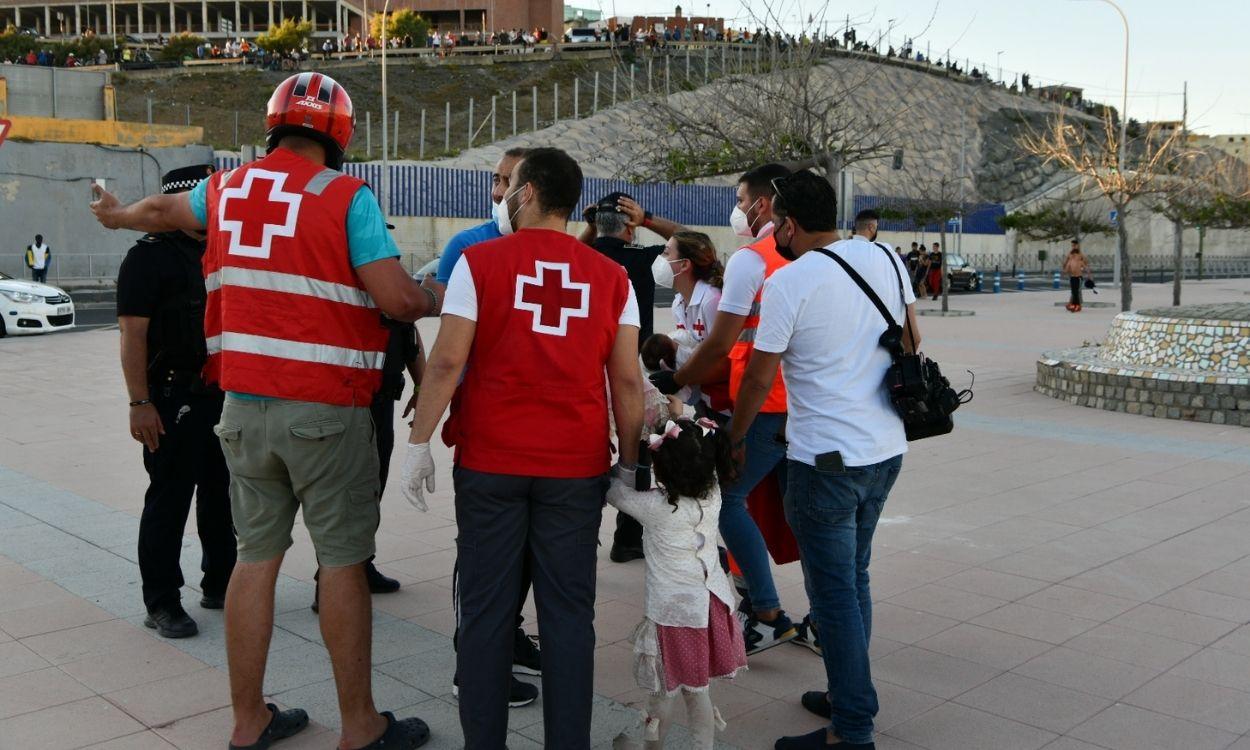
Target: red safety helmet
[315,106]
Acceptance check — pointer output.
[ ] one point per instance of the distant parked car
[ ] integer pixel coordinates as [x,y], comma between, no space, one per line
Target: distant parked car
[28,31]
[27,307]
[581,35]
[429,269]
[962,275]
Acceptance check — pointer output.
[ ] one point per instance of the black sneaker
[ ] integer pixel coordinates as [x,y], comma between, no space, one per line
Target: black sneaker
[171,621]
[816,741]
[521,693]
[623,553]
[526,658]
[807,635]
[212,602]
[378,583]
[761,636]
[817,701]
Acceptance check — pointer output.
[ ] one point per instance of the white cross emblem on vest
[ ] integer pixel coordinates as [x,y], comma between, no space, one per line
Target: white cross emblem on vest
[552,298]
[254,220]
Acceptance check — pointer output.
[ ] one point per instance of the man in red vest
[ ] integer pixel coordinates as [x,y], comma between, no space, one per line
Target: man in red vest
[298,268]
[533,320]
[733,337]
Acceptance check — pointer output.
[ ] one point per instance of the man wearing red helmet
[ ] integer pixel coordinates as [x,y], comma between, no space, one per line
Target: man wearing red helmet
[299,264]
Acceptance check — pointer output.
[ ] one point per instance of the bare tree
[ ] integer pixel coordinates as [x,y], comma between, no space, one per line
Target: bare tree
[1091,152]
[938,198]
[1204,190]
[796,105]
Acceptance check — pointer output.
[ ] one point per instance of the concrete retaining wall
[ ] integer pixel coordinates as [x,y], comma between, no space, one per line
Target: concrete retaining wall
[45,189]
[52,92]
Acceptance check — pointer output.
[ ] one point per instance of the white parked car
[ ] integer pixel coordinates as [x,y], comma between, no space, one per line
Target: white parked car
[576,36]
[30,307]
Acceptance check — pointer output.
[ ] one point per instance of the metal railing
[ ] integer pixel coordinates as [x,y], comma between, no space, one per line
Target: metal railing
[1146,268]
[68,266]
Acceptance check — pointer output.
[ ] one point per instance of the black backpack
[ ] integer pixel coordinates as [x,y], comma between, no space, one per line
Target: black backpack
[920,393]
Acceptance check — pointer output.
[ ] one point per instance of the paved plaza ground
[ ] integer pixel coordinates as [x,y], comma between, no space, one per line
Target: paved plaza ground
[1047,576]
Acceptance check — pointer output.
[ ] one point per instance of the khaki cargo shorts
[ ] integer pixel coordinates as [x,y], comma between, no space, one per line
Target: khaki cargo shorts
[287,455]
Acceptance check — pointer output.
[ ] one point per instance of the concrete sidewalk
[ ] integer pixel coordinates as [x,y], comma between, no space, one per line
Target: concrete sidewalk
[1046,576]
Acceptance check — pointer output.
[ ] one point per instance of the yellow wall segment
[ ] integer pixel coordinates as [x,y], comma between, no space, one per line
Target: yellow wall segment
[104,132]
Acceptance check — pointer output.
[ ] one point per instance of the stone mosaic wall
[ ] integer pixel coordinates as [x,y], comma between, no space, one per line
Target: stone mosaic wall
[1176,363]
[1192,399]
[1212,338]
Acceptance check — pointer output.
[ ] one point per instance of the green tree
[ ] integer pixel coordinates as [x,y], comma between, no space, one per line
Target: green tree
[181,46]
[402,23]
[286,37]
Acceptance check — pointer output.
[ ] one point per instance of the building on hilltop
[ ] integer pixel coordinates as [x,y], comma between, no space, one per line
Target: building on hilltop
[1236,145]
[220,19]
[675,22]
[1071,96]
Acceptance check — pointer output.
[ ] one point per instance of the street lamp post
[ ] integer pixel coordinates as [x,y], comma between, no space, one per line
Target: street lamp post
[386,171]
[1123,116]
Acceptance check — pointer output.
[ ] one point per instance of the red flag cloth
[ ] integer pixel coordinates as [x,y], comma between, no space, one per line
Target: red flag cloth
[765,506]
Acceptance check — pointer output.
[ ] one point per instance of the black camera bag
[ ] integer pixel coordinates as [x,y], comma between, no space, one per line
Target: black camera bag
[920,393]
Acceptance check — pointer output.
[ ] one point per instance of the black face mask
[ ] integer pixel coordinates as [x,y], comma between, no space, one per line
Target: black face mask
[785,251]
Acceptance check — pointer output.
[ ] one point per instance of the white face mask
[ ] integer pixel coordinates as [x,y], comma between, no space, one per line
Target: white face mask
[662,271]
[503,219]
[499,212]
[741,223]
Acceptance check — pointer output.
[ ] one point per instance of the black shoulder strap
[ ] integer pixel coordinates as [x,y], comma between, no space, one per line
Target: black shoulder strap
[907,329]
[863,285]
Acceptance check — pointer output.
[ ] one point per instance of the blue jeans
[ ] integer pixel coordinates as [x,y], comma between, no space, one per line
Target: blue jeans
[833,516]
[764,452]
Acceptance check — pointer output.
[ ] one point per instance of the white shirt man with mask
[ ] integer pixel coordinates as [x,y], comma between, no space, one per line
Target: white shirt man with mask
[730,343]
[845,441]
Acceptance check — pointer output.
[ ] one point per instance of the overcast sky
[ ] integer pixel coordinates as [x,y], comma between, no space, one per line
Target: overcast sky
[1080,42]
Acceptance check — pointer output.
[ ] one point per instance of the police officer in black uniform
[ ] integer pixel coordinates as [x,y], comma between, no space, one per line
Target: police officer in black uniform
[160,308]
[610,227]
[403,352]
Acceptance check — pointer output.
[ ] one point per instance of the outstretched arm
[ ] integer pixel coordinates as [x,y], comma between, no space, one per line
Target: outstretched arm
[154,214]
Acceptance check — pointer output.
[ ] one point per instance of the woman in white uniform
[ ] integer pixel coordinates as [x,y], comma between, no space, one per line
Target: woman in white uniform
[689,265]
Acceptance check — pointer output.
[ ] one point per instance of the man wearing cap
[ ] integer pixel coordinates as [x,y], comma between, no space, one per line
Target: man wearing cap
[160,308]
[610,226]
[297,268]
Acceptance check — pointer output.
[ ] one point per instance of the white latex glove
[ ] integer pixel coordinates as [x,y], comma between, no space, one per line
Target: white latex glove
[418,469]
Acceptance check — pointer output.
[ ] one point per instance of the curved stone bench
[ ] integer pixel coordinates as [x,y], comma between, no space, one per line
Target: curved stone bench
[1188,363]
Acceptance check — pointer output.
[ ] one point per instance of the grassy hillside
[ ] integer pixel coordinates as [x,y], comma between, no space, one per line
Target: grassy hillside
[214,97]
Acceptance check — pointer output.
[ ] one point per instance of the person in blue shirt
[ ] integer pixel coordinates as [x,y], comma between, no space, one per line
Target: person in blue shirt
[525,655]
[488,230]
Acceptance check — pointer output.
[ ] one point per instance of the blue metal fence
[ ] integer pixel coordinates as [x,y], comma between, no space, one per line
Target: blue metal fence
[464,194]
[979,218]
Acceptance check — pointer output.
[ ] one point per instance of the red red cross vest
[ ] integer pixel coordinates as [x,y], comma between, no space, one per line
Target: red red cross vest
[286,315]
[533,401]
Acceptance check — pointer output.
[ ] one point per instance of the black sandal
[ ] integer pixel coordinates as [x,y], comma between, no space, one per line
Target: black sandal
[403,734]
[283,724]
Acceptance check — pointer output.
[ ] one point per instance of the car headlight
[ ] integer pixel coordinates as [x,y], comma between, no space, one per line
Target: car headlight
[25,297]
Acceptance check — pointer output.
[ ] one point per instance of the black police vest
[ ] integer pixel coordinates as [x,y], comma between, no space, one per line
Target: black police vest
[176,332]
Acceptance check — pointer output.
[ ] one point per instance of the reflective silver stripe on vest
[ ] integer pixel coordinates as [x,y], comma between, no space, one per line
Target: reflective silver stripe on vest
[322,180]
[748,334]
[289,283]
[322,354]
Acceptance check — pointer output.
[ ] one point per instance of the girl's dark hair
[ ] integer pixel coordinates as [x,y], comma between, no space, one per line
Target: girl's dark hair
[691,464]
[697,248]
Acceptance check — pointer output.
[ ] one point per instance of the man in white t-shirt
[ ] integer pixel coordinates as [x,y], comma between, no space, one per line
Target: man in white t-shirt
[845,439]
[38,258]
